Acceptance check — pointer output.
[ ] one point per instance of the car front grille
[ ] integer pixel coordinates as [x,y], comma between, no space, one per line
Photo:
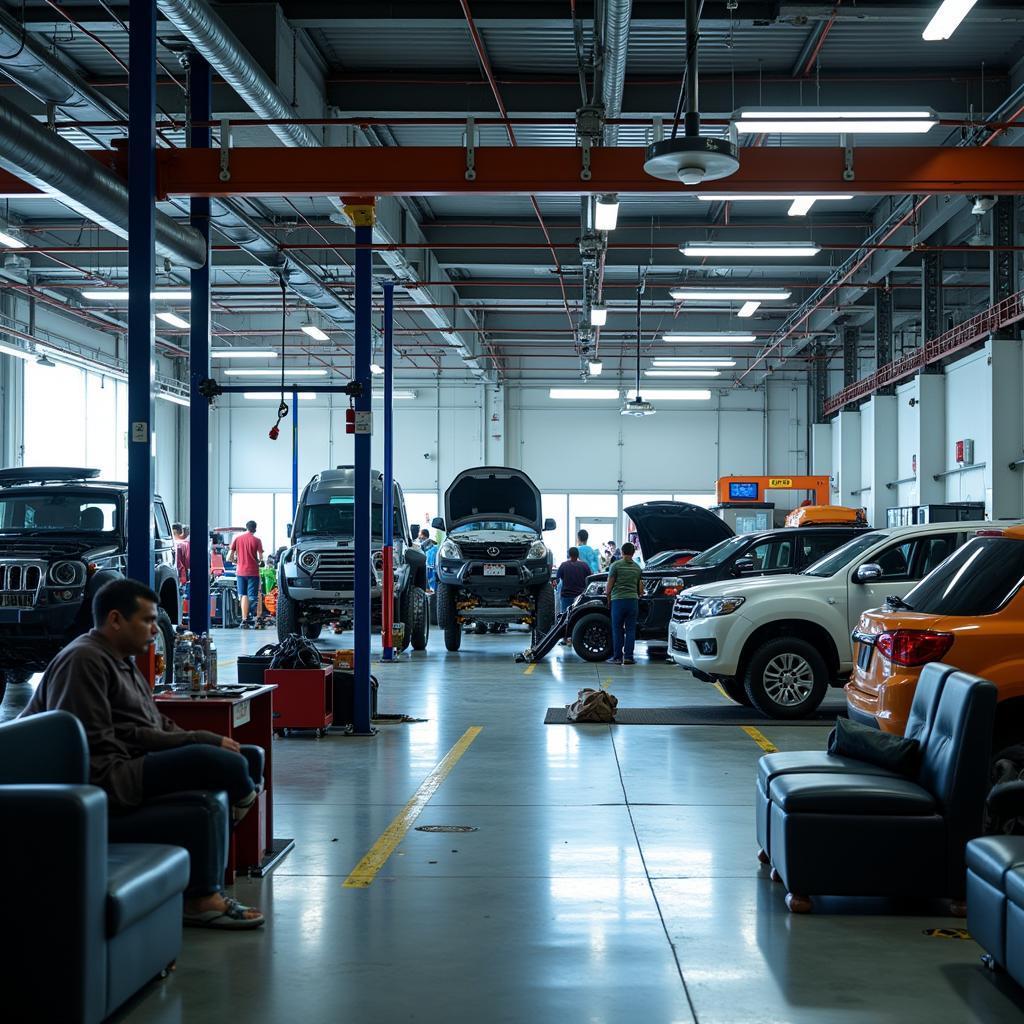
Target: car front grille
[679,645]
[485,552]
[336,570]
[682,610]
[20,583]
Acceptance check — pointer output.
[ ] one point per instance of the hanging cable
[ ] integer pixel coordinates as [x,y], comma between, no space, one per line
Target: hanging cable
[282,409]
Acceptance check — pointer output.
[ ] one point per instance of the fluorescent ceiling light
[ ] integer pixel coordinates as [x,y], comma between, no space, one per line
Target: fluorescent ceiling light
[591,394]
[801,206]
[731,294]
[121,295]
[18,353]
[260,396]
[748,309]
[315,333]
[276,373]
[834,121]
[685,361]
[606,212]
[598,316]
[947,19]
[167,396]
[376,369]
[682,373]
[743,197]
[173,319]
[707,336]
[398,395]
[596,367]
[10,241]
[243,353]
[749,249]
[677,395]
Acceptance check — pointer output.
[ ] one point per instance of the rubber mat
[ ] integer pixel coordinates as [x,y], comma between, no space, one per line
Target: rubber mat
[734,714]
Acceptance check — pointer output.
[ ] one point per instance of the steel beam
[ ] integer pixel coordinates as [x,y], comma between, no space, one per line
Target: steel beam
[387,605]
[931,302]
[819,382]
[883,333]
[1003,279]
[141,276]
[851,339]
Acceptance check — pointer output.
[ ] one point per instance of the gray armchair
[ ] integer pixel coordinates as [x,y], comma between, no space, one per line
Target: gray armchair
[90,922]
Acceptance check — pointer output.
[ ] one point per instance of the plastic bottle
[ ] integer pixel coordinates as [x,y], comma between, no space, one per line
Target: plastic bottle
[198,664]
[211,663]
[183,661]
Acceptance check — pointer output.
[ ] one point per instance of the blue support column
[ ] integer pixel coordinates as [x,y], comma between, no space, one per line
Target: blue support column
[361,213]
[141,243]
[200,107]
[389,472]
[295,452]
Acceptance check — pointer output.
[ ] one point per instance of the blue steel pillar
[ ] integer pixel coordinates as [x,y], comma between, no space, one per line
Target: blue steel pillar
[387,601]
[361,212]
[295,453]
[200,107]
[141,242]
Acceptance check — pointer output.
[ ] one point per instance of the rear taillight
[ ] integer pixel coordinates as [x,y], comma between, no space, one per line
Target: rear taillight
[988,533]
[913,646]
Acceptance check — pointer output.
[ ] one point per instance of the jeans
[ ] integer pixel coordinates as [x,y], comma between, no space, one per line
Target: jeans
[624,614]
[565,603]
[248,586]
[201,766]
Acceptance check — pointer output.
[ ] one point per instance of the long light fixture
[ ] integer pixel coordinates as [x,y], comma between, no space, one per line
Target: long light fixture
[269,396]
[682,373]
[315,332]
[748,309]
[834,121]
[585,394]
[675,394]
[598,316]
[18,353]
[684,361]
[10,241]
[947,18]
[121,295]
[731,294]
[398,395]
[606,212]
[303,372]
[243,353]
[714,249]
[174,320]
[596,367]
[169,396]
[709,337]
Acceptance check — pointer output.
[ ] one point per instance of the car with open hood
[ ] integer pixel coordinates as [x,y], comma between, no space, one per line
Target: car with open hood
[493,566]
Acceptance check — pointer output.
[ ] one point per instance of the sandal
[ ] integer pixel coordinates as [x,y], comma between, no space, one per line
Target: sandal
[241,809]
[231,919]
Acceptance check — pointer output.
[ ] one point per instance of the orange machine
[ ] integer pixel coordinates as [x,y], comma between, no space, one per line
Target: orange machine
[967,612]
[826,515]
[737,489]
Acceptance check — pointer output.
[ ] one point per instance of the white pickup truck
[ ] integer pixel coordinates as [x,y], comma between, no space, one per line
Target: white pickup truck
[778,642]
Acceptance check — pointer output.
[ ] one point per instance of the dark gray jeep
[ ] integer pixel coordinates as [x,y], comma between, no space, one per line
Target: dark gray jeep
[62,536]
[316,576]
[494,565]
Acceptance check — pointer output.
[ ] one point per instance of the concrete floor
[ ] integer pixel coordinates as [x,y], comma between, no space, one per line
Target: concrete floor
[612,877]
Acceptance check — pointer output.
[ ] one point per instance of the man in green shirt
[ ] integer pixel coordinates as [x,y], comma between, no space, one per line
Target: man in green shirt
[623,591]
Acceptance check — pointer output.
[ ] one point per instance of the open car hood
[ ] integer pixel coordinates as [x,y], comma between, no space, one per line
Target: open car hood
[664,525]
[493,492]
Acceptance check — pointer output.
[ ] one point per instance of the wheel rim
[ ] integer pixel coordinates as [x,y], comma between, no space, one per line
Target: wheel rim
[788,679]
[594,639]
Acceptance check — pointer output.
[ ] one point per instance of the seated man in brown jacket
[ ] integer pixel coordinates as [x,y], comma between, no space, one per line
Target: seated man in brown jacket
[137,754]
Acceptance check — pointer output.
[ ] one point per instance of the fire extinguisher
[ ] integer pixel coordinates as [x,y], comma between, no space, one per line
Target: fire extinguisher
[350,420]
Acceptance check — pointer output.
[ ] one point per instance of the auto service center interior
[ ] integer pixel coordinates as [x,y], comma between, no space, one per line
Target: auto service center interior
[577,453]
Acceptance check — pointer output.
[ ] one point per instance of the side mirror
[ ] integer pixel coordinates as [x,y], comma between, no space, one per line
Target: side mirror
[869,572]
[437,523]
[744,565]
[549,524]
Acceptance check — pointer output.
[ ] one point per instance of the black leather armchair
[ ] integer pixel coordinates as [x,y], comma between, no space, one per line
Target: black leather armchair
[853,833]
[88,922]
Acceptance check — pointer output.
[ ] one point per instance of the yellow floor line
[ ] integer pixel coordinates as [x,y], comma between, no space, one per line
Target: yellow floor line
[760,739]
[529,669]
[718,687]
[376,857]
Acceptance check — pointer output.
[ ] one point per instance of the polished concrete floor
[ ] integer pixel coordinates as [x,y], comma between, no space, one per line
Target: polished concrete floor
[611,877]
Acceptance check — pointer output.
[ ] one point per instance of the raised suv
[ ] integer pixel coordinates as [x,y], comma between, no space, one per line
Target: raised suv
[316,576]
[778,642]
[494,565]
[62,536]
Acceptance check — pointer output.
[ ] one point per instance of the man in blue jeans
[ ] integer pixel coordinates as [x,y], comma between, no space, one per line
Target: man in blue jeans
[623,590]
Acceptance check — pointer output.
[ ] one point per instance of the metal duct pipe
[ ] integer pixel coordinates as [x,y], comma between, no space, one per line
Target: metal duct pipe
[204,29]
[616,42]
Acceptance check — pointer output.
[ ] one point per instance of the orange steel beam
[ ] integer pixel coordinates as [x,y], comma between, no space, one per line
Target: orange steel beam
[525,170]
[783,482]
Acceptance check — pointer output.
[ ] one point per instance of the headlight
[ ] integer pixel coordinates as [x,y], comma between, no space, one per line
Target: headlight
[538,549]
[378,562]
[65,574]
[712,606]
[594,588]
[449,549]
[309,560]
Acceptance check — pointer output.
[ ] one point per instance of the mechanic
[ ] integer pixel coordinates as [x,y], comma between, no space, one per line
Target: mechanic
[572,574]
[623,590]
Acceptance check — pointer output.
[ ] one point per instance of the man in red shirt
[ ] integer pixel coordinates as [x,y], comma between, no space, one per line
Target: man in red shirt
[247,554]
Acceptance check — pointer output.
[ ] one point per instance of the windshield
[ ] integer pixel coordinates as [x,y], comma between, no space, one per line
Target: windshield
[841,557]
[719,553]
[335,519]
[494,524]
[976,580]
[59,512]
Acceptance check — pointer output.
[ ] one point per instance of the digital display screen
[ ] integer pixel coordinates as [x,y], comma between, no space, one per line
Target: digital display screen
[743,491]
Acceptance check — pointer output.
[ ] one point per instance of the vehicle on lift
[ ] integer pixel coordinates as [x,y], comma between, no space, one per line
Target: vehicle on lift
[675,527]
[62,536]
[316,573]
[494,565]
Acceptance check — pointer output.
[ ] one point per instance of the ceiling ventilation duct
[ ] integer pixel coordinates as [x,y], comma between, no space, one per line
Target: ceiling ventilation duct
[692,159]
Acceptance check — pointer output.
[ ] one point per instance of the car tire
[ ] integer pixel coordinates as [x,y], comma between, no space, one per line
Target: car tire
[480,628]
[404,614]
[735,690]
[432,608]
[311,630]
[786,678]
[166,634]
[543,611]
[420,632]
[592,637]
[446,617]
[287,616]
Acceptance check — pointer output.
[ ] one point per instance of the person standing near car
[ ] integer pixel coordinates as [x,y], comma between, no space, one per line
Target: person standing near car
[587,553]
[572,574]
[247,553]
[623,590]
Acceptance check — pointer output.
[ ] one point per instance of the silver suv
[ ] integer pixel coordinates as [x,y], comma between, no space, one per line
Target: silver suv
[316,579]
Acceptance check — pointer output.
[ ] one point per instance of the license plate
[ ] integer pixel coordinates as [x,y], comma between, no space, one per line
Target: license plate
[864,656]
[494,570]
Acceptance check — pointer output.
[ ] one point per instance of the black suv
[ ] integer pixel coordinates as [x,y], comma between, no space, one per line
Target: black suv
[62,536]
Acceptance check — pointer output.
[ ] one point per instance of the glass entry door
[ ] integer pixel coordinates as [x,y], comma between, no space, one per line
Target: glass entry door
[600,529]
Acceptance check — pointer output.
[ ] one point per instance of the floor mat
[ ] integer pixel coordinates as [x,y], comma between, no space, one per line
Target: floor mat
[734,714]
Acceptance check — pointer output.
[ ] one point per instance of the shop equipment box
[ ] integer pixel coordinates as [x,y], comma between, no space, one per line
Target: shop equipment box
[304,698]
[951,512]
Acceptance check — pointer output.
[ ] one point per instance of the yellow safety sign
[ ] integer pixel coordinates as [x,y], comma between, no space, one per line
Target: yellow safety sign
[780,481]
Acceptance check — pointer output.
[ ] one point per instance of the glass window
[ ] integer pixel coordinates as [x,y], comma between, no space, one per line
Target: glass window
[932,552]
[842,557]
[422,509]
[771,555]
[895,561]
[716,555]
[282,518]
[163,524]
[556,506]
[55,425]
[704,500]
[978,579]
[58,511]
[815,545]
[246,505]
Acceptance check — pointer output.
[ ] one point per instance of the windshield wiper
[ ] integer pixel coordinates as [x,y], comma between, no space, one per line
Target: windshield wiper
[897,604]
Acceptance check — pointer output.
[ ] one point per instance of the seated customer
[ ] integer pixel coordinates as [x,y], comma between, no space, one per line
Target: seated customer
[137,754]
